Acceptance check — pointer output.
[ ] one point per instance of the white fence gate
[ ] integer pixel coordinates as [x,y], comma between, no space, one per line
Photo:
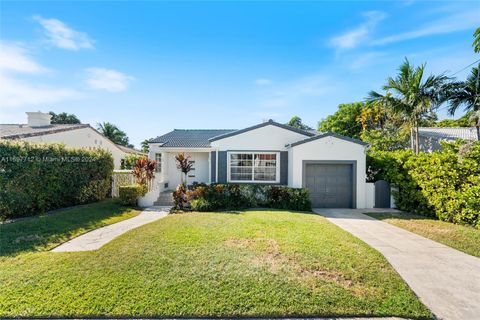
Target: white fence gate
[121,178]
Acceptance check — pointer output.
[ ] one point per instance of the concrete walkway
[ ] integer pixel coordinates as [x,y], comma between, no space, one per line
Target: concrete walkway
[95,239]
[446,280]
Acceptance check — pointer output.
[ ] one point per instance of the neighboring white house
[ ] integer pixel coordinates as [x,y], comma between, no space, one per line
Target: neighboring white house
[40,130]
[430,138]
[331,166]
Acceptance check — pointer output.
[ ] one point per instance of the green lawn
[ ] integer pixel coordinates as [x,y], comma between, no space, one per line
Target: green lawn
[246,264]
[45,232]
[463,238]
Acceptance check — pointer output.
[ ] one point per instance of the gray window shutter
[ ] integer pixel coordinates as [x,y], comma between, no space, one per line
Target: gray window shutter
[213,166]
[222,167]
[284,167]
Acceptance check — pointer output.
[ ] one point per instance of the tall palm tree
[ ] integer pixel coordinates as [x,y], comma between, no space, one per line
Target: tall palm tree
[411,96]
[113,133]
[466,94]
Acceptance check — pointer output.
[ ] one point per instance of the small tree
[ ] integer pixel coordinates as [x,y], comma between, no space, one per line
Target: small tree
[144,170]
[184,165]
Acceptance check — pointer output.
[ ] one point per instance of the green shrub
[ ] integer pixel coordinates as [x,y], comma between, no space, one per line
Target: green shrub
[200,204]
[129,194]
[202,197]
[445,184]
[35,178]
[288,198]
[129,161]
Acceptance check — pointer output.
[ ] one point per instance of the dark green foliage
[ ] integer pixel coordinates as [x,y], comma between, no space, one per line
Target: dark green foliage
[129,194]
[445,184]
[63,118]
[38,178]
[344,121]
[296,122]
[113,133]
[463,121]
[202,197]
[129,161]
[288,198]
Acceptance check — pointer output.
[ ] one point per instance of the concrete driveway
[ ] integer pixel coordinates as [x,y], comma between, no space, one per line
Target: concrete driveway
[446,280]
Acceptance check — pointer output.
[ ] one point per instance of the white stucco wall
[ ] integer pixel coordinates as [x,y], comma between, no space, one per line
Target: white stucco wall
[328,148]
[170,172]
[267,138]
[82,138]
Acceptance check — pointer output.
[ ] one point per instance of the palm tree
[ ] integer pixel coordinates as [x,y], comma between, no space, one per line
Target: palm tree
[411,96]
[466,94]
[476,41]
[113,133]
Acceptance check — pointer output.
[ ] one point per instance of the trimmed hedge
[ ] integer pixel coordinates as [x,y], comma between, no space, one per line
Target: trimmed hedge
[35,178]
[445,184]
[129,194]
[216,197]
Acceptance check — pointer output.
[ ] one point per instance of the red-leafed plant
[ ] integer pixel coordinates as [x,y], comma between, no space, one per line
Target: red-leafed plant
[184,165]
[144,170]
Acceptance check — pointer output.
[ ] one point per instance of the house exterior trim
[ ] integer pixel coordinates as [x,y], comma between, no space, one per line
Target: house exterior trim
[328,134]
[269,122]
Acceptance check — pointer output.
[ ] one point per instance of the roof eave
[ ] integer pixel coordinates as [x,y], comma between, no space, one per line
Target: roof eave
[328,134]
[261,125]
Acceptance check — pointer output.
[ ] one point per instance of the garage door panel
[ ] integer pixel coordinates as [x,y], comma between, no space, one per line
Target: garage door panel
[330,185]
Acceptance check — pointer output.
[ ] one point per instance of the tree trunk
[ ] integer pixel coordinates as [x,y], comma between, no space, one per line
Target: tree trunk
[412,139]
[478,132]
[417,140]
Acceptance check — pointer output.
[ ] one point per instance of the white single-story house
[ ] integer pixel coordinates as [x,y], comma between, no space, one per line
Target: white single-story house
[331,166]
[39,130]
[430,138]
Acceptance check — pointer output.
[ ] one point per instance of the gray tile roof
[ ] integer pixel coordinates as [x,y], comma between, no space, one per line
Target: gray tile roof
[19,131]
[130,150]
[189,138]
[469,133]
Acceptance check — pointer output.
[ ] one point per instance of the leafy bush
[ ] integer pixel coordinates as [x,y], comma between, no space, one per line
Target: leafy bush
[200,204]
[129,194]
[180,200]
[129,161]
[445,184]
[202,197]
[144,170]
[35,178]
[288,198]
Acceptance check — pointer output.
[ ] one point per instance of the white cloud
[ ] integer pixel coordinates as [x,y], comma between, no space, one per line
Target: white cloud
[16,93]
[15,58]
[457,22]
[107,79]
[61,36]
[354,37]
[263,82]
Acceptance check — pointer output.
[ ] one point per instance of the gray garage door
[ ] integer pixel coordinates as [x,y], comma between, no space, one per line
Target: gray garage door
[330,185]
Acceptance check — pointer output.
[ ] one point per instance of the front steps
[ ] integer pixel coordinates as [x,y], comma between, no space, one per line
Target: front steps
[165,199]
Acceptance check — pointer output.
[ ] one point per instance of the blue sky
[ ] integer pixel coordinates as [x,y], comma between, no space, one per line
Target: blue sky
[153,66]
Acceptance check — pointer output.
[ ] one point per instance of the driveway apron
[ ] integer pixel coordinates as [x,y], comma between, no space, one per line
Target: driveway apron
[446,280]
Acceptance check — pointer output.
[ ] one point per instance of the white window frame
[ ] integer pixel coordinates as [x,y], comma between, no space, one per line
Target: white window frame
[253,153]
